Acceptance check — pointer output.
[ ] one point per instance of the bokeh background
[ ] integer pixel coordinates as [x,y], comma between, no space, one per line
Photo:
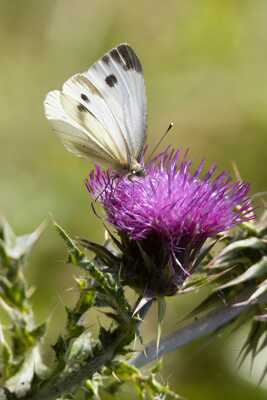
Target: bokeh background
[205,66]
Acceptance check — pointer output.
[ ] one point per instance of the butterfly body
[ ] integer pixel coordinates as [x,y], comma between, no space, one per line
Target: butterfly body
[101,114]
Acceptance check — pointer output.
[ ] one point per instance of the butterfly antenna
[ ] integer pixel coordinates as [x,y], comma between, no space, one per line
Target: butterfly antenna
[161,139]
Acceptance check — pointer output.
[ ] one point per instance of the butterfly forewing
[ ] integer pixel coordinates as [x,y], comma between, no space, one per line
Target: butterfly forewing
[102,113]
[119,77]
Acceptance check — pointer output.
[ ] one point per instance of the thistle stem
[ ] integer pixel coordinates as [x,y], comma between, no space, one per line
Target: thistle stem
[69,381]
[202,327]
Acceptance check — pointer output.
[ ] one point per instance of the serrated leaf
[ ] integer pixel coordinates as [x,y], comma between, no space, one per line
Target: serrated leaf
[75,253]
[38,332]
[60,348]
[8,236]
[16,247]
[84,303]
[80,348]
[33,365]
[5,355]
[255,271]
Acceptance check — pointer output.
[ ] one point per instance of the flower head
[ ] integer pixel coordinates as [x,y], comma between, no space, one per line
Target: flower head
[172,210]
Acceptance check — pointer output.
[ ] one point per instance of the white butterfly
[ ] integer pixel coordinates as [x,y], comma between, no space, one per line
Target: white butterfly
[102,113]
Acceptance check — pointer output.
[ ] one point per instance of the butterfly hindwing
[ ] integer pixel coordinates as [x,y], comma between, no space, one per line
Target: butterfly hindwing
[76,138]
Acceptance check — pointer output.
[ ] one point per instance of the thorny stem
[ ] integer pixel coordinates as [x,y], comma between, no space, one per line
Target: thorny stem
[202,327]
[74,378]
[70,381]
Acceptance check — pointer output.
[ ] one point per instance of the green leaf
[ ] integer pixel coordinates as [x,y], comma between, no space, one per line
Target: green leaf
[195,280]
[33,364]
[161,303]
[255,271]
[60,348]
[102,252]
[198,280]
[16,247]
[252,343]
[123,370]
[84,303]
[204,252]
[258,292]
[148,263]
[75,254]
[37,333]
[5,356]
[234,249]
[3,394]
[146,386]
[92,388]
[80,348]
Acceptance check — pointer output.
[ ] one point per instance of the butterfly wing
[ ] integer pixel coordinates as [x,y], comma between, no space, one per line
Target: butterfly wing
[102,113]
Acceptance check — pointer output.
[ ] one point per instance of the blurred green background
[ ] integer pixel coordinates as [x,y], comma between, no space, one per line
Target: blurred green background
[205,67]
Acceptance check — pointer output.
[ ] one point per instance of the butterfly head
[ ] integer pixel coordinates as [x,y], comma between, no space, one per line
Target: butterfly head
[137,169]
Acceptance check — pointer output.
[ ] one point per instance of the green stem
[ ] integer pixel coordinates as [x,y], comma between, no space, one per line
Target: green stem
[68,381]
[202,327]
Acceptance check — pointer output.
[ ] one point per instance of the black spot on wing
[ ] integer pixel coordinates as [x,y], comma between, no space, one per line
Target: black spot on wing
[131,61]
[82,108]
[111,80]
[128,64]
[84,97]
[114,54]
[106,59]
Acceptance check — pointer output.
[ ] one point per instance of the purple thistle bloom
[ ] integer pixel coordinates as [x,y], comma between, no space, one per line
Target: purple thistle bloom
[171,210]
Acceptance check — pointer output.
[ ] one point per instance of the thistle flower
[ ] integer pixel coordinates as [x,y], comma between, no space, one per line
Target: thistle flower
[164,218]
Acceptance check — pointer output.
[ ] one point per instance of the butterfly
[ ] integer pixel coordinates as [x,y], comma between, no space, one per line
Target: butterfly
[102,113]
